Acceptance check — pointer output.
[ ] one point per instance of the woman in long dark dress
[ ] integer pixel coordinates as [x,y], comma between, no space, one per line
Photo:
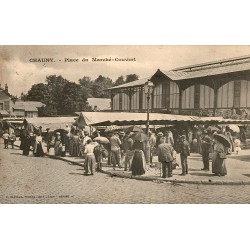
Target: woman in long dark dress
[138,164]
[58,144]
[38,148]
[219,167]
[26,143]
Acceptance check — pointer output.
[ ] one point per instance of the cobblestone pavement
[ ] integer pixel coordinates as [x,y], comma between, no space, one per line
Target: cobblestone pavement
[45,180]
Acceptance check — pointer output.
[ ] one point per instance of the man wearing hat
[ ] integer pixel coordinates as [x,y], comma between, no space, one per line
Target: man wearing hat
[86,138]
[205,146]
[165,156]
[184,153]
[159,136]
[115,144]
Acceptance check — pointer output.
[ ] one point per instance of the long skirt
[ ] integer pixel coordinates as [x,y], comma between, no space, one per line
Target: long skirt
[89,164]
[138,163]
[57,148]
[128,159]
[75,150]
[219,167]
[39,150]
[70,146]
[26,147]
[213,163]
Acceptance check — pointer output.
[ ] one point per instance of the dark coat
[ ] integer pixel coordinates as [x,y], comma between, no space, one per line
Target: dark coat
[184,148]
[165,152]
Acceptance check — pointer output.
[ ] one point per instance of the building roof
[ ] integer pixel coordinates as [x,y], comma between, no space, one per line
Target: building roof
[27,106]
[236,64]
[4,113]
[100,103]
[209,69]
[4,93]
[132,84]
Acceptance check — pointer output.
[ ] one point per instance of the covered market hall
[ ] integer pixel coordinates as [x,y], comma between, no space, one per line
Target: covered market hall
[217,88]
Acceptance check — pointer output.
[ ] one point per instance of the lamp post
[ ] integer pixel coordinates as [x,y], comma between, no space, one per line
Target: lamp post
[148,89]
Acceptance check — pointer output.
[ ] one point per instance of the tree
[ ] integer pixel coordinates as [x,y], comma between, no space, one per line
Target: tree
[119,81]
[74,99]
[39,93]
[131,78]
[56,85]
[14,98]
[86,84]
[100,84]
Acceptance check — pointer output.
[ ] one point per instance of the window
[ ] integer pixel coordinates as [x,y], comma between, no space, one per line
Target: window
[244,94]
[188,98]
[174,95]
[125,101]
[116,102]
[30,114]
[135,100]
[225,96]
[1,106]
[206,97]
[248,94]
[158,96]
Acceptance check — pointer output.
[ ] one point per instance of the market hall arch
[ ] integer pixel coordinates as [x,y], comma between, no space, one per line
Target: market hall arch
[234,94]
[199,96]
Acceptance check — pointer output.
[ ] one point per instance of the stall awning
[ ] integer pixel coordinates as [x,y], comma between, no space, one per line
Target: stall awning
[127,118]
[52,123]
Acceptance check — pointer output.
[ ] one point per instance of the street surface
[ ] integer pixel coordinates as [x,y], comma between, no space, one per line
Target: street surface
[45,180]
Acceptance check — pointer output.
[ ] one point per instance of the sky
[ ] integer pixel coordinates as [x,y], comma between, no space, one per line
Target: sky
[20,72]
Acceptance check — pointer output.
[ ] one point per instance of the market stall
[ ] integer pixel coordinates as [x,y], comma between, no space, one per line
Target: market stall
[53,123]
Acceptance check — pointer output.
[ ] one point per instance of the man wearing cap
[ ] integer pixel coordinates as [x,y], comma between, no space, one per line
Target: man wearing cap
[115,143]
[184,153]
[165,156]
[159,136]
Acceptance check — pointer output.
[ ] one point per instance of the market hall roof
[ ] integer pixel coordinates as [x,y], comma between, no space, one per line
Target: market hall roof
[133,84]
[236,64]
[209,69]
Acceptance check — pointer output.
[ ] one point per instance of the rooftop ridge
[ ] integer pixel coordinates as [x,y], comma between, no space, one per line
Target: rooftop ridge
[214,64]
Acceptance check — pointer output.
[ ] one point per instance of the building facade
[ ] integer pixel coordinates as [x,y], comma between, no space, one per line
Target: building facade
[219,88]
[26,109]
[6,104]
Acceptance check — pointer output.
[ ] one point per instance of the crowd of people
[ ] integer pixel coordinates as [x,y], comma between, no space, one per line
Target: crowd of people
[127,149]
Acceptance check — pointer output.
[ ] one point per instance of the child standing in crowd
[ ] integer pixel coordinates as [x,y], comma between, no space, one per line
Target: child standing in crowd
[6,138]
[237,146]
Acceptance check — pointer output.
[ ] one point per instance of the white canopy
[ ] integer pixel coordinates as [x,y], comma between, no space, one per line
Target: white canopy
[52,123]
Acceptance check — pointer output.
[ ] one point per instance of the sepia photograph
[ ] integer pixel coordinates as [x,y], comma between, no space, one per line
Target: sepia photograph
[130,124]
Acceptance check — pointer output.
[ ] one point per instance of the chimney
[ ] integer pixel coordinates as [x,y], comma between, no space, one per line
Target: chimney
[6,88]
